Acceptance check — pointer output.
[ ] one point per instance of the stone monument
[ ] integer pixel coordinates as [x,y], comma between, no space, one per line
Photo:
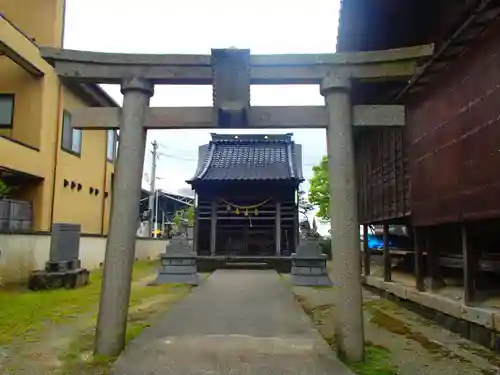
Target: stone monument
[63,269]
[178,264]
[309,264]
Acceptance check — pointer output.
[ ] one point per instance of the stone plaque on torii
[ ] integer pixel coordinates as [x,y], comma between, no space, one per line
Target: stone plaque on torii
[231,72]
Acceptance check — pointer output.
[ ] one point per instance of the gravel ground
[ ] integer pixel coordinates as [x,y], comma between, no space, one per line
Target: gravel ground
[417,346]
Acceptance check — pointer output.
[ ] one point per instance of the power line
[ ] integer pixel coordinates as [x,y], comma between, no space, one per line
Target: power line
[152,200]
[176,157]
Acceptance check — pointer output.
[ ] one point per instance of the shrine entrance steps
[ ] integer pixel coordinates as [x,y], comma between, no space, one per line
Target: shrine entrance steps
[235,322]
[282,264]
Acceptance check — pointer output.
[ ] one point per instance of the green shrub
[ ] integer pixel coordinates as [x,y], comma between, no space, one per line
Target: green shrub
[4,189]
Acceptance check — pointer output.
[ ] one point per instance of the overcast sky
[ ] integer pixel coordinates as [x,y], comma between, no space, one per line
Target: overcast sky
[196,26]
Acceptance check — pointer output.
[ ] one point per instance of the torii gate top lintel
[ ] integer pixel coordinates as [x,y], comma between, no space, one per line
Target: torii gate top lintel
[231,72]
[188,69]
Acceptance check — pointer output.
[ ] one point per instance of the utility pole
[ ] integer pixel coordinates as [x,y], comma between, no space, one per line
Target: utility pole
[163,222]
[152,188]
[156,215]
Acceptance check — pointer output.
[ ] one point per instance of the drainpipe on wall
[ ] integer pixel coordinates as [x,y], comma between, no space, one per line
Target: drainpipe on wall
[103,204]
[56,156]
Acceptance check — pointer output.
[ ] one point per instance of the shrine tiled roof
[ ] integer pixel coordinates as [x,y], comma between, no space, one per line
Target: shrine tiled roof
[249,157]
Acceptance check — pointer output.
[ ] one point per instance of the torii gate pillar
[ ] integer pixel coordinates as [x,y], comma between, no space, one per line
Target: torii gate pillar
[344,222]
[120,245]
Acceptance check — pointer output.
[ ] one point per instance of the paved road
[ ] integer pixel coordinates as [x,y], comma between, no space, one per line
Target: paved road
[236,322]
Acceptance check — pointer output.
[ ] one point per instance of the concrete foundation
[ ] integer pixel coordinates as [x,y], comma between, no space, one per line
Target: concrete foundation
[178,265]
[309,265]
[476,324]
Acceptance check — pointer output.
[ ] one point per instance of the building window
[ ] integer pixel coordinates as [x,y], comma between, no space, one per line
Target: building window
[111,146]
[6,110]
[116,143]
[71,138]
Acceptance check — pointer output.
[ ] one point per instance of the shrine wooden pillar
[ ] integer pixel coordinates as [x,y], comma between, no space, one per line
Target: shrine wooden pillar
[213,228]
[433,267]
[296,232]
[366,252]
[277,227]
[387,255]
[470,262]
[418,256]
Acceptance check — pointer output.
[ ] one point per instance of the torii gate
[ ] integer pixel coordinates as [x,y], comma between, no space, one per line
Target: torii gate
[231,72]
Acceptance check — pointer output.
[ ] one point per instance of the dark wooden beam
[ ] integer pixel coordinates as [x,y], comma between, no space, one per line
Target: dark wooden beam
[246,218]
[366,251]
[213,229]
[277,224]
[196,231]
[470,267]
[416,241]
[387,254]
[433,267]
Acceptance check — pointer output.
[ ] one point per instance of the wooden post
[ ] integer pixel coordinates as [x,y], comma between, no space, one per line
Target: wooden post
[418,257]
[295,231]
[470,260]
[245,239]
[387,254]
[277,226]
[213,228]
[366,250]
[196,231]
[432,262]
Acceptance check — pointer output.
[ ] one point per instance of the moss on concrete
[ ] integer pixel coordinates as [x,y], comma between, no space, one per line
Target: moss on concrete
[377,358]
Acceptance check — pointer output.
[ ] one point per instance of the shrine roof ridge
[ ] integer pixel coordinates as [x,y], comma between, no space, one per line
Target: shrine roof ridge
[251,138]
[249,157]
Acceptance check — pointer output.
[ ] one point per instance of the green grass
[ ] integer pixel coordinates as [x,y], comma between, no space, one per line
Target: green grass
[26,313]
[79,359]
[377,362]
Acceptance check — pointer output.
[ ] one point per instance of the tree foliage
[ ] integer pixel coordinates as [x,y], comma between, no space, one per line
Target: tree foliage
[4,189]
[183,216]
[305,207]
[319,191]
[190,215]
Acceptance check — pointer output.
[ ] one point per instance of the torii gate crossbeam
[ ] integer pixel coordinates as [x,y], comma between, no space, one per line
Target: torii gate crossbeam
[231,72]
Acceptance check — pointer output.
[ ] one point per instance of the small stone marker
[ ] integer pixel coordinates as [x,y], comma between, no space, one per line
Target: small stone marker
[178,264]
[309,265]
[63,267]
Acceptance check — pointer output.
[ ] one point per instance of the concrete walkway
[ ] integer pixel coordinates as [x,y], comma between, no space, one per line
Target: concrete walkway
[236,322]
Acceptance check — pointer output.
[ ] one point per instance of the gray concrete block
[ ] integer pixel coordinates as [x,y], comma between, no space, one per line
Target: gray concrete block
[64,242]
[480,335]
[179,269]
[178,264]
[309,248]
[302,280]
[482,317]
[186,279]
[317,271]
[309,266]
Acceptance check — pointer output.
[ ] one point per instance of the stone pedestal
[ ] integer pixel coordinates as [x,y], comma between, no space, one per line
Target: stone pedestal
[63,268]
[178,264]
[309,265]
